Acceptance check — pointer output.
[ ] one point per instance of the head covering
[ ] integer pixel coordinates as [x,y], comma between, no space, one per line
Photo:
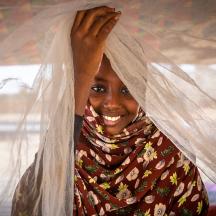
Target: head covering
[146,48]
[136,172]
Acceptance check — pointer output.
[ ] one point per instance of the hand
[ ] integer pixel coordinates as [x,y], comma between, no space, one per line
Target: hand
[88,38]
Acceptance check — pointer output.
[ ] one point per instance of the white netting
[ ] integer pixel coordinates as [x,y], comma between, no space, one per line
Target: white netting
[146,55]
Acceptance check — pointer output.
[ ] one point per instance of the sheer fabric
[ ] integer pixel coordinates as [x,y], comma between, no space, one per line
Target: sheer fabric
[146,49]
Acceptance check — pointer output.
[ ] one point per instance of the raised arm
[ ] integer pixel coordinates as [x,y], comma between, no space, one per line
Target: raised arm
[88,37]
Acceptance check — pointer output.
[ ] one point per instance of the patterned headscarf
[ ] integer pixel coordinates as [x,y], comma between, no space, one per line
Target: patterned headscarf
[136,172]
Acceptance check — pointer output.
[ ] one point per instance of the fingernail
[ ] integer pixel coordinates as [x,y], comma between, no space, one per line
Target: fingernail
[117,16]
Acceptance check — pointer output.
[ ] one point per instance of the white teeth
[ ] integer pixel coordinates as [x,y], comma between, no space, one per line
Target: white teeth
[112,118]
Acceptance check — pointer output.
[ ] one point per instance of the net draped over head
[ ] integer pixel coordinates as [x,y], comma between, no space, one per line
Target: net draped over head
[146,48]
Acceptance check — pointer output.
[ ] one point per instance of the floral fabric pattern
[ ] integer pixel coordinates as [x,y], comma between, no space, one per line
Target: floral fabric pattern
[138,172]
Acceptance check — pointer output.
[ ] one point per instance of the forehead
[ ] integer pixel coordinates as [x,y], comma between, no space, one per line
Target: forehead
[106,72]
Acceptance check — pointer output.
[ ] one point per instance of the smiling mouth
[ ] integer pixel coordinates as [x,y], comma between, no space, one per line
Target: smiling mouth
[111,121]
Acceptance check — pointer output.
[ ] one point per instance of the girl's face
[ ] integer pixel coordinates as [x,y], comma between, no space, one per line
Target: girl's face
[111,99]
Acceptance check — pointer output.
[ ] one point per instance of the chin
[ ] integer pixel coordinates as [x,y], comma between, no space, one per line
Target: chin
[113,131]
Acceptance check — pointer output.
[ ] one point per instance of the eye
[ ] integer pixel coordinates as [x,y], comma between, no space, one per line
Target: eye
[125,91]
[99,89]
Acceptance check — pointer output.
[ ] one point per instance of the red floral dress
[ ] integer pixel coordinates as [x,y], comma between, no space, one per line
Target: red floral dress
[138,172]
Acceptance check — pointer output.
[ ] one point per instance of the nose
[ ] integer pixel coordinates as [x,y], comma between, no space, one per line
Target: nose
[112,101]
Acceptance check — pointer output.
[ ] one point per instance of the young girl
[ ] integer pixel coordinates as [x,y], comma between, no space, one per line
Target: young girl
[124,164]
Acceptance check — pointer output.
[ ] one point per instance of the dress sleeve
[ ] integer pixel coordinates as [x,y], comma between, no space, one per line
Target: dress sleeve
[24,198]
[77,129]
[190,197]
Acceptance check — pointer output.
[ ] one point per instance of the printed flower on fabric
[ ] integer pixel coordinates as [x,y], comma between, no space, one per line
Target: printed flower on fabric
[137,184]
[78,197]
[117,171]
[139,212]
[171,162]
[195,197]
[133,174]
[127,150]
[79,162]
[147,213]
[173,178]
[131,200]
[199,207]
[182,200]
[93,111]
[105,148]
[160,164]
[126,161]
[99,159]
[150,152]
[186,166]
[90,118]
[190,188]
[179,189]
[182,160]
[156,134]
[164,174]
[107,139]
[140,141]
[108,157]
[126,132]
[119,179]
[159,209]
[92,153]
[199,183]
[160,141]
[123,193]
[80,154]
[147,130]
[145,164]
[98,142]
[102,212]
[112,146]
[149,199]
[92,180]
[92,198]
[105,185]
[103,176]
[107,206]
[147,173]
[140,159]
[99,129]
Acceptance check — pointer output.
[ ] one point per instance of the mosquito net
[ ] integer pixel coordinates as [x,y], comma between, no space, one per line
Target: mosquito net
[164,52]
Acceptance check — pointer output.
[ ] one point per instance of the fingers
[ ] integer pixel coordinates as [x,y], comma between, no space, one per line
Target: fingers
[101,21]
[91,16]
[97,22]
[107,28]
[78,19]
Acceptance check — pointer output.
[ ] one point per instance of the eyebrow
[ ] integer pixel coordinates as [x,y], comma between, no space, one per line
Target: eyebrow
[100,79]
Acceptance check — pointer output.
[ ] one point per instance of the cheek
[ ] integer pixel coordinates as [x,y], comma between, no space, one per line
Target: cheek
[96,102]
[132,107]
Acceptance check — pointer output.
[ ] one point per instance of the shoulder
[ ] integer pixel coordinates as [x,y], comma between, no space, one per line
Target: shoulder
[26,192]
